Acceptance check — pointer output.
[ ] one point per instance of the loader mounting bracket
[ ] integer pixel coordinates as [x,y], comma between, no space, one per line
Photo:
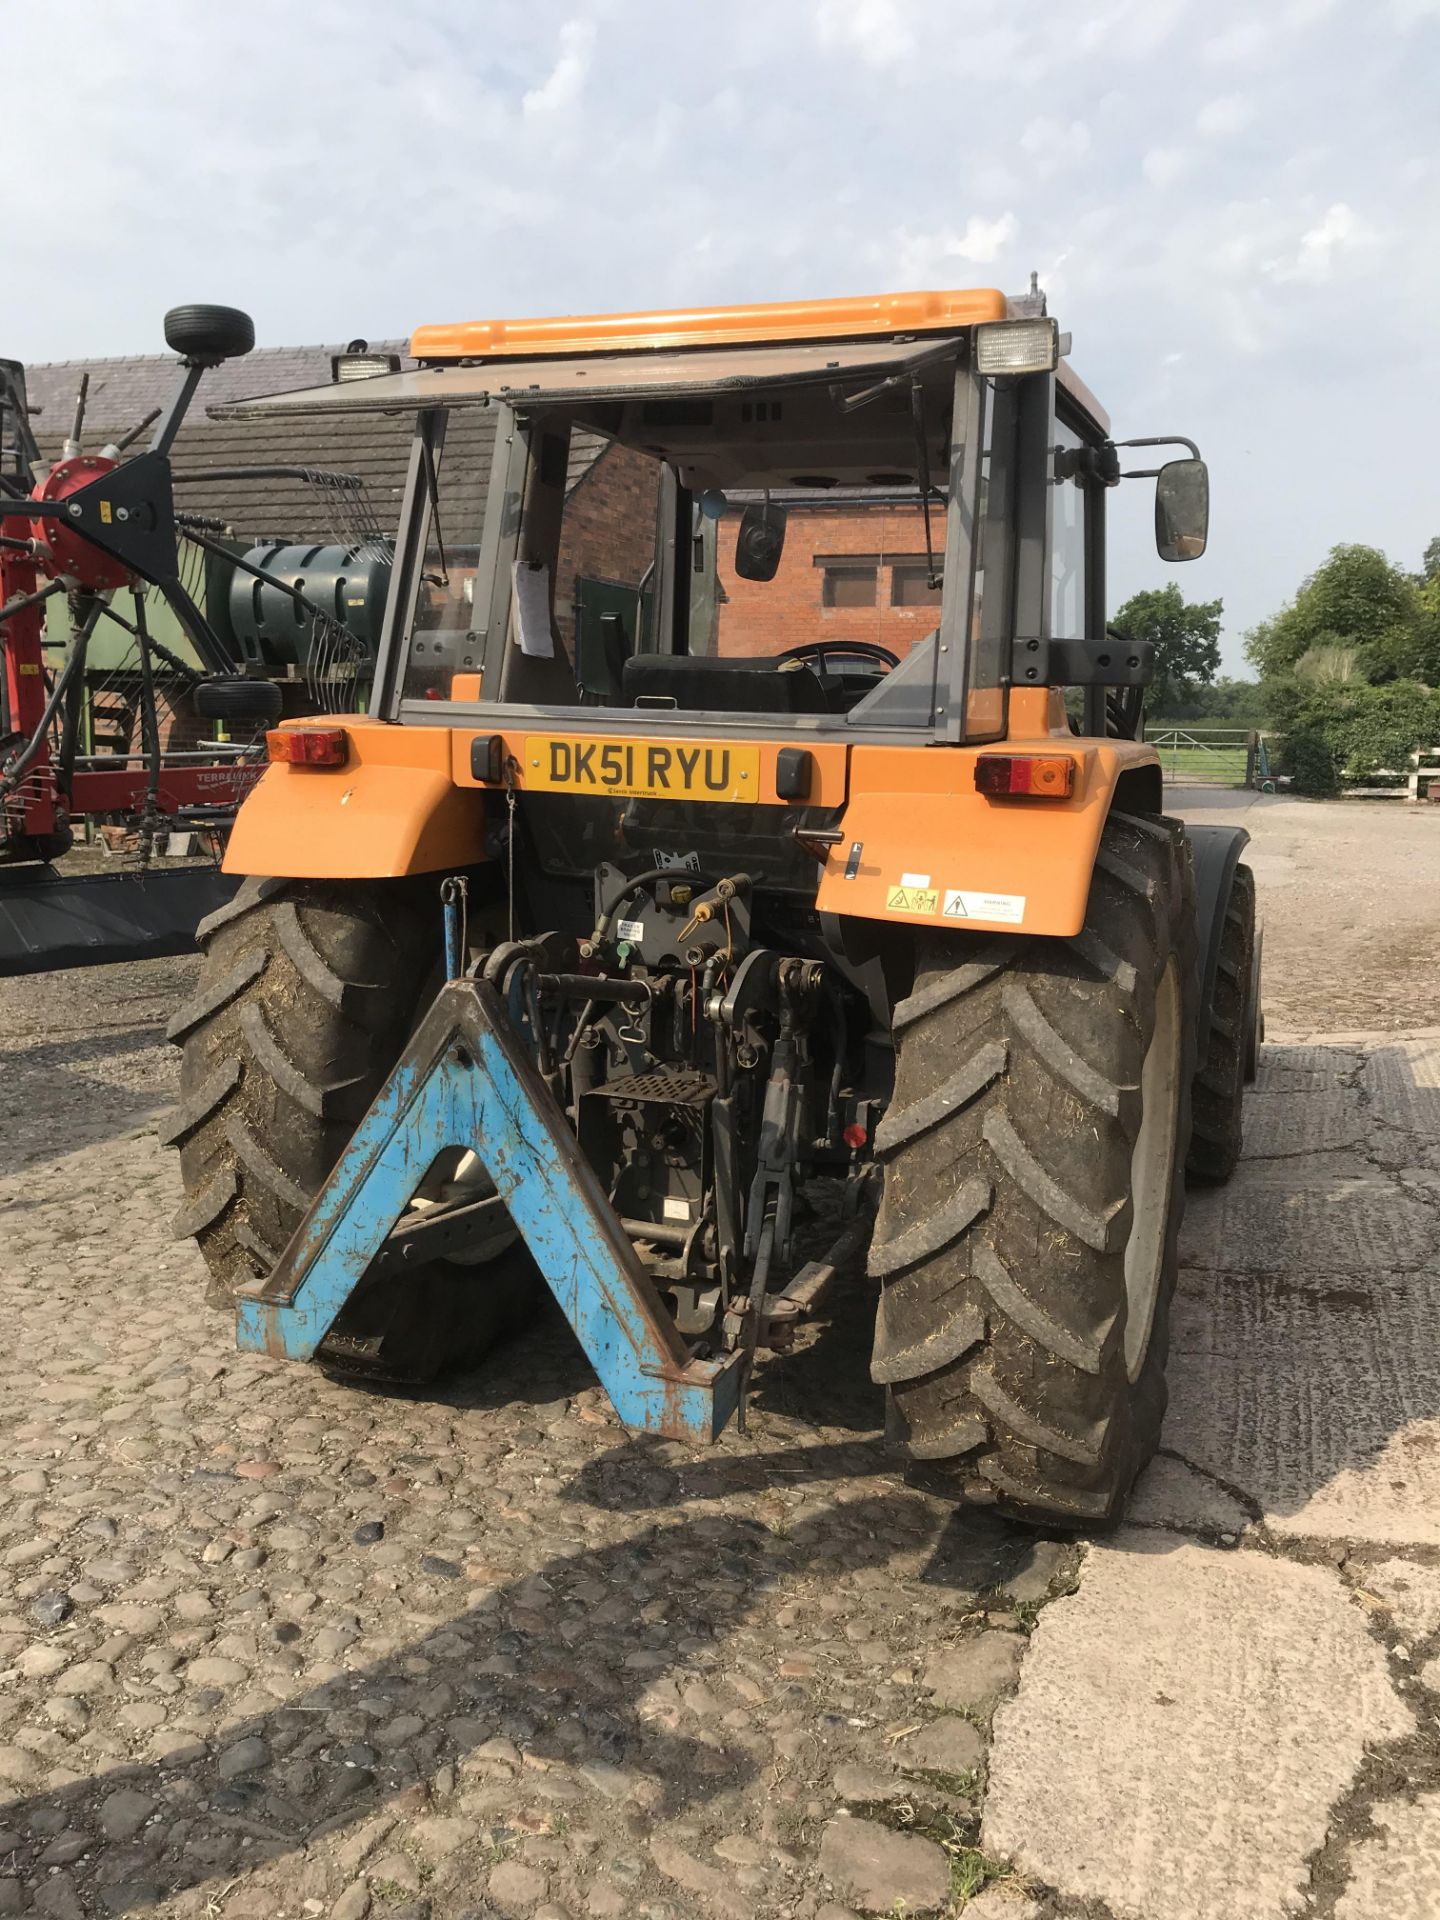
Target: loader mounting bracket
[467,1079]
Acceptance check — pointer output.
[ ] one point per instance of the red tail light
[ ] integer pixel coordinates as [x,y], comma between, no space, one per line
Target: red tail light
[1040,776]
[309,746]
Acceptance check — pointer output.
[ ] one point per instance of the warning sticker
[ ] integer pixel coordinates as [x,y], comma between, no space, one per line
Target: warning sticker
[630,929]
[912,899]
[961,904]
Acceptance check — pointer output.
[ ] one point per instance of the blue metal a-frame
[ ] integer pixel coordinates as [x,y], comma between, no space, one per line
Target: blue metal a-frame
[467,1080]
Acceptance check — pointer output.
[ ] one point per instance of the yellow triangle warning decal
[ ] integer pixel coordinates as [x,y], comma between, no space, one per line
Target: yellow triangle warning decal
[912,899]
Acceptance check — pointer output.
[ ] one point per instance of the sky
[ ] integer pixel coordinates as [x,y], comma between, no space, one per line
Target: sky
[1233,209]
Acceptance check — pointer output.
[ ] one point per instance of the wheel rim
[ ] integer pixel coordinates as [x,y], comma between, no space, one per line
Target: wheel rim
[1152,1167]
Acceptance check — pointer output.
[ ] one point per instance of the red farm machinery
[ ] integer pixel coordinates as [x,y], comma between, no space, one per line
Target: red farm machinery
[144,651]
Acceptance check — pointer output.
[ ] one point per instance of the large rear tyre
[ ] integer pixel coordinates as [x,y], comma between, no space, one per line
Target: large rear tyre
[1224,1065]
[1034,1160]
[308,993]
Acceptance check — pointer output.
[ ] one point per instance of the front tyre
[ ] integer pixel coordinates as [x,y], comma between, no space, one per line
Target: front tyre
[1034,1159]
[1227,1059]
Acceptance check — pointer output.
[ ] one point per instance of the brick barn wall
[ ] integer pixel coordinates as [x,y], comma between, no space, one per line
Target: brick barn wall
[609,534]
[609,528]
[764,617]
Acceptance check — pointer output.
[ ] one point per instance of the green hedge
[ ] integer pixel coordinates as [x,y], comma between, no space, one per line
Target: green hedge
[1347,730]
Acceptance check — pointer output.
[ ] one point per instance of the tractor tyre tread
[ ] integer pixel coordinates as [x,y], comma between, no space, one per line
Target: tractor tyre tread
[205,332]
[306,997]
[1220,1075]
[1001,1331]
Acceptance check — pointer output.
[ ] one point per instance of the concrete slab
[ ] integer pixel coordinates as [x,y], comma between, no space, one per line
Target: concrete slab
[1411,1592]
[1171,1493]
[1396,1875]
[1402,1078]
[1335,1214]
[1183,1725]
[1317,1117]
[1288,1066]
[1319,1398]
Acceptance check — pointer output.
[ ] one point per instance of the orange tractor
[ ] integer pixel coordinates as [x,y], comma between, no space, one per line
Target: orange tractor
[719,826]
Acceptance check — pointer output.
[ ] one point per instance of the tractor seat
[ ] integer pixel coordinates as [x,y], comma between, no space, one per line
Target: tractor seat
[696,683]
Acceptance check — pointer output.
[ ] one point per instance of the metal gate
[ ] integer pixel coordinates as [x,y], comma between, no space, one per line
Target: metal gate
[1206,756]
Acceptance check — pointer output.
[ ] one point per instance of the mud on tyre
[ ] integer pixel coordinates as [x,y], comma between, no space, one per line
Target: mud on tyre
[1034,1160]
[308,992]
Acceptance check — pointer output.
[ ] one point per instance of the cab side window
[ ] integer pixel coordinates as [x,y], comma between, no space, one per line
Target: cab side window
[1067,546]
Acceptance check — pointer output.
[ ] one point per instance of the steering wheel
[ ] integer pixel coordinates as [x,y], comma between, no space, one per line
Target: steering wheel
[820,651]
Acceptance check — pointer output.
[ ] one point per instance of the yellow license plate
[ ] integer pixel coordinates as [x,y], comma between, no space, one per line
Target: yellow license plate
[642,769]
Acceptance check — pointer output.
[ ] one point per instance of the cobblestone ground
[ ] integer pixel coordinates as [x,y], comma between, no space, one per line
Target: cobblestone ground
[273,1646]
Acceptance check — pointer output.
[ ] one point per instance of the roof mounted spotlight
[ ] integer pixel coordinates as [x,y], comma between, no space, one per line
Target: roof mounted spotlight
[358,363]
[1017,346]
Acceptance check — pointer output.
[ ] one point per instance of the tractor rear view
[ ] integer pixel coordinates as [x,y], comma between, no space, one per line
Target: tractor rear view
[718,827]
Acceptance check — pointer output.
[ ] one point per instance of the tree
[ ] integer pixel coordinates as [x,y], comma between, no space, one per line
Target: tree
[1355,599]
[1186,638]
[1334,727]
[1430,565]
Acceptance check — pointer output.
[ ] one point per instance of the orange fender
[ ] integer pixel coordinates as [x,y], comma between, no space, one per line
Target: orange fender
[392,809]
[920,846]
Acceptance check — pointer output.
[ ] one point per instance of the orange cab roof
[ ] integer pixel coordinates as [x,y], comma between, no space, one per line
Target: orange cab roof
[711,326]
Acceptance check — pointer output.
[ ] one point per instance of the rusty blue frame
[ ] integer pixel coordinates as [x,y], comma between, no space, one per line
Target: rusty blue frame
[467,1080]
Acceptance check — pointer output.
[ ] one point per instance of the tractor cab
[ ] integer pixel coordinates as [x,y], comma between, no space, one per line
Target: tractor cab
[866,518]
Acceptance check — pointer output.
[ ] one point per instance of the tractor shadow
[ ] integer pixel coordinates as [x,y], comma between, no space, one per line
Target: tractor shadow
[571,1697]
[822,1381]
[55,1096]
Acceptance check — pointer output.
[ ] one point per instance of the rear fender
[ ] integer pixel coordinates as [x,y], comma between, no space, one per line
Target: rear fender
[920,846]
[392,809]
[1215,854]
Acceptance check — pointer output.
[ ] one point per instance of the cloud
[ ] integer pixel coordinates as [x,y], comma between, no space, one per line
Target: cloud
[1244,41]
[567,76]
[926,259]
[1173,169]
[1223,116]
[878,30]
[1055,145]
[1127,29]
[1163,166]
[1339,231]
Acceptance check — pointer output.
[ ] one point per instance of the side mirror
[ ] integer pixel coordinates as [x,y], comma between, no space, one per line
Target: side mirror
[760,542]
[1182,509]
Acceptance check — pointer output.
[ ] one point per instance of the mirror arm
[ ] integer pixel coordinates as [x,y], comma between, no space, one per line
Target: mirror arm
[1162,440]
[1152,440]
